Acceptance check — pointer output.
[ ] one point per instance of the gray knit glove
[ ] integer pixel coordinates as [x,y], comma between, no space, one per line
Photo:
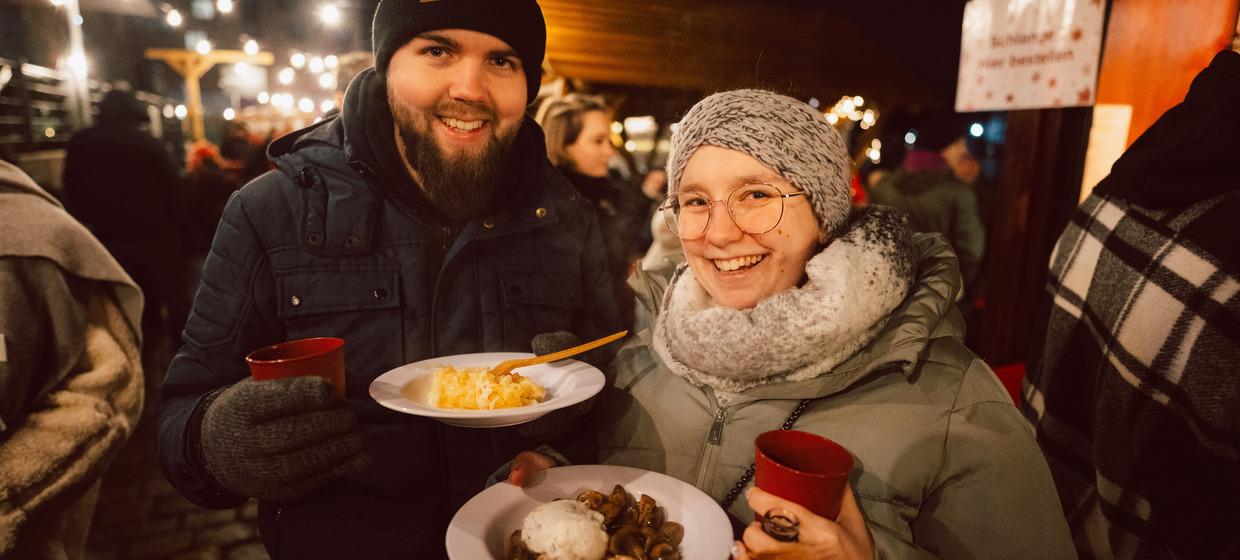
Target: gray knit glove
[280,439]
[555,423]
[547,343]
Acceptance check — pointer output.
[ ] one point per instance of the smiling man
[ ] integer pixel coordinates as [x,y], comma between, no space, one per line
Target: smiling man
[424,221]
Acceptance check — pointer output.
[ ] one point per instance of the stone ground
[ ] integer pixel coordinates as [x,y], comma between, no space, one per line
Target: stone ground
[140,515]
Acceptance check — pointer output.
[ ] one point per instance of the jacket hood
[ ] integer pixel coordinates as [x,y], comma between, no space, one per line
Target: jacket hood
[1189,154]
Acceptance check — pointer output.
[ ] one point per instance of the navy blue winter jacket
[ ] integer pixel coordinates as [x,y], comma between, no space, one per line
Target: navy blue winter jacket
[322,247]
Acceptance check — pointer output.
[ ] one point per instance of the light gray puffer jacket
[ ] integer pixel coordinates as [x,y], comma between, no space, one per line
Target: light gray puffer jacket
[945,465]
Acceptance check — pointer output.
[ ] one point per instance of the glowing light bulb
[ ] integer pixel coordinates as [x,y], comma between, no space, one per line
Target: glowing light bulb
[251,47]
[330,14]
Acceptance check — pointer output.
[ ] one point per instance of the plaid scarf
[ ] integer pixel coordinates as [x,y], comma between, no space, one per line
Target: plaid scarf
[1136,397]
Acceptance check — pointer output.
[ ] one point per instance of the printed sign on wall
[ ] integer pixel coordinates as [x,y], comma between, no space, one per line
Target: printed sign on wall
[1029,54]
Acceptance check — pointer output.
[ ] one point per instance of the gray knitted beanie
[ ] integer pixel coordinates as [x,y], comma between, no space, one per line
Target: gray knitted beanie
[784,134]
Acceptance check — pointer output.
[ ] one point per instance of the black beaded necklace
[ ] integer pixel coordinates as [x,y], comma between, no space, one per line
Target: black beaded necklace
[735,492]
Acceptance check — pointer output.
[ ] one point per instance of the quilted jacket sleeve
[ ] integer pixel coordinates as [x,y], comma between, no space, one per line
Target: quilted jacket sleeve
[232,315]
[994,496]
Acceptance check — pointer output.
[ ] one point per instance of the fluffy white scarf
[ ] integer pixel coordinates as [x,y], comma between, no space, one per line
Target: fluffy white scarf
[853,286]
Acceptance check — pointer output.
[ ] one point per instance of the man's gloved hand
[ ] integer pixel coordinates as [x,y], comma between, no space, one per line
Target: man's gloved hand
[280,439]
[547,343]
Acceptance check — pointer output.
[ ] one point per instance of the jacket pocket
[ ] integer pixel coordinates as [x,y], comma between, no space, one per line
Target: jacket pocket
[362,305]
[538,302]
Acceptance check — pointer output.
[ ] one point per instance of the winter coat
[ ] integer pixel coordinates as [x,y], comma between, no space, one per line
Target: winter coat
[937,202]
[1135,391]
[120,181]
[71,384]
[945,467]
[325,246]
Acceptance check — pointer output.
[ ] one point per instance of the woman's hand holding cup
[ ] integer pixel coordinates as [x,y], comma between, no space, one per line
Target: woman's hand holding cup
[817,537]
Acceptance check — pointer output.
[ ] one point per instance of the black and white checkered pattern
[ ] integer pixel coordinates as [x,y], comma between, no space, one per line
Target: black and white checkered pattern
[1136,391]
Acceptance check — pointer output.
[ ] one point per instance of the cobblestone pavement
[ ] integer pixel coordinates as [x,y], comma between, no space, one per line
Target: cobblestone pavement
[140,515]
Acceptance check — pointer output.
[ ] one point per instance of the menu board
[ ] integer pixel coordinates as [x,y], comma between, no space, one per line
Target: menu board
[1024,54]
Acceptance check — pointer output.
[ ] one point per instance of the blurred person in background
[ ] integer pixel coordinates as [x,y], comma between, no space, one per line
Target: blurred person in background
[208,188]
[241,154]
[664,251]
[797,310]
[122,184]
[71,384]
[578,132]
[936,200]
[1135,391]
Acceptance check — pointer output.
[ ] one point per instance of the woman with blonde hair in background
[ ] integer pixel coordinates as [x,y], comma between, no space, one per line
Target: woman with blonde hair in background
[578,132]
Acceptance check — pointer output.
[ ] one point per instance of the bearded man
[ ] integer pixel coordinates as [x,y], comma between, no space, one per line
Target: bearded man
[424,221]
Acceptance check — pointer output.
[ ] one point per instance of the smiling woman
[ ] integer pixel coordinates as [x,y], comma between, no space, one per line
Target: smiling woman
[796,312]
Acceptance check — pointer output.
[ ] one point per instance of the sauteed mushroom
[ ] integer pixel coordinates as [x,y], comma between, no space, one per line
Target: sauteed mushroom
[592,499]
[674,531]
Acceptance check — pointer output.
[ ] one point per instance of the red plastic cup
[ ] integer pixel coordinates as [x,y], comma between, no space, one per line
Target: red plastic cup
[323,357]
[802,467]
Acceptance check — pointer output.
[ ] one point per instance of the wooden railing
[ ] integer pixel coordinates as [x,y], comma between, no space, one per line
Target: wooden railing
[36,109]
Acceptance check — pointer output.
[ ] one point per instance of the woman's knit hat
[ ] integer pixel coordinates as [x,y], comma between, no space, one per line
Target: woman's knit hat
[784,134]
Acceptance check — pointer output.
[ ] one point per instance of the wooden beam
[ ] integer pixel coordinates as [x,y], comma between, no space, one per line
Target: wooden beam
[192,65]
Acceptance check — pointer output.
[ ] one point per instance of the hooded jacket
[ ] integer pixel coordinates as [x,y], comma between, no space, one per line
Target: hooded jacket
[332,243]
[71,383]
[944,465]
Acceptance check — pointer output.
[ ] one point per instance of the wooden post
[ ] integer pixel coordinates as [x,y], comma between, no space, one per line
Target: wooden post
[192,65]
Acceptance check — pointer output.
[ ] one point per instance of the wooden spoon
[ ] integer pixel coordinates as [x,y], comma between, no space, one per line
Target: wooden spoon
[506,366]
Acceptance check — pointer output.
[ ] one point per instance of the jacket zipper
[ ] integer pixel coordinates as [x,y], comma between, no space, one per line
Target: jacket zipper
[716,429]
[710,453]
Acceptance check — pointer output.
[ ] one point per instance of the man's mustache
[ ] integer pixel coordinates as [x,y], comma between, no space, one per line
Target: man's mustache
[465,111]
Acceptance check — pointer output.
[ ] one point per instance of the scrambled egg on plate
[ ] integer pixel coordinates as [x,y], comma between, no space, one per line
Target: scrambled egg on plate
[478,389]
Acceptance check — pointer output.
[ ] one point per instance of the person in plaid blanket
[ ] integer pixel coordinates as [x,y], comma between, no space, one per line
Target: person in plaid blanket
[1135,393]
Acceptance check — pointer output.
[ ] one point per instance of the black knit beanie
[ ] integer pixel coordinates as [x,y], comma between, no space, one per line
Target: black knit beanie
[516,22]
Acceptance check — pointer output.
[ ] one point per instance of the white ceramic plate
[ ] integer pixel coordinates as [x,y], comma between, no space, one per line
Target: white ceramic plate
[480,528]
[568,382]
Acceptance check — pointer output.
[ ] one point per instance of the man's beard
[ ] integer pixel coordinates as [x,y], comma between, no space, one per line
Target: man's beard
[462,186]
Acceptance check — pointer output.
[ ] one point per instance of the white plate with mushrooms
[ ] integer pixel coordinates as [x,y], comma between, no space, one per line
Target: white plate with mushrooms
[484,525]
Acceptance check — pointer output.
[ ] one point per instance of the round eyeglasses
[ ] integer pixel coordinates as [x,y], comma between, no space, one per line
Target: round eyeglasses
[755,208]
